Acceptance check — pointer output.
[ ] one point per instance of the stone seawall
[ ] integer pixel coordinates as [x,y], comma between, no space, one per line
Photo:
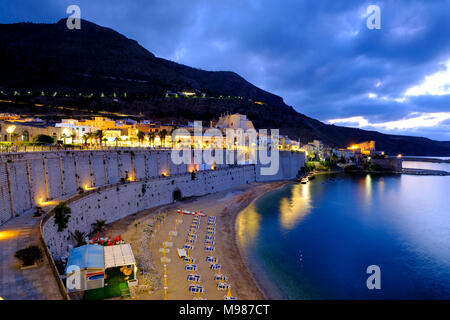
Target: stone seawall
[31,179]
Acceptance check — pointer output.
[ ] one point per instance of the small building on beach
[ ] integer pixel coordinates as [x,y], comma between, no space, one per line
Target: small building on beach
[95,266]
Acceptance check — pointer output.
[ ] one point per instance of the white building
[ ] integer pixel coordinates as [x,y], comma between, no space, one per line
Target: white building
[234,121]
[72,126]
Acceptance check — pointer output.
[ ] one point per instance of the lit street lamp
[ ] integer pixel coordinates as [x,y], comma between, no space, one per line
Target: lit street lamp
[10,130]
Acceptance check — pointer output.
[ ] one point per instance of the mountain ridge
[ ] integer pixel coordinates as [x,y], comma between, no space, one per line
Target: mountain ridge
[98,59]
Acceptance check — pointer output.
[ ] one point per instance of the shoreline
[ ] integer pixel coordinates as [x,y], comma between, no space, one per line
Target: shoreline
[226,206]
[243,256]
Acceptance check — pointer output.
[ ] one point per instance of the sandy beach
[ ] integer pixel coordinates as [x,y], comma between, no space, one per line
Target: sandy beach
[148,245]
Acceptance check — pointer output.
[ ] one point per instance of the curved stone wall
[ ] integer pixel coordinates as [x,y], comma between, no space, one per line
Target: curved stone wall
[28,179]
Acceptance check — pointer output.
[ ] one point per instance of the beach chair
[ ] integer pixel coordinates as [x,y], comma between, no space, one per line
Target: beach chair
[193,277]
[188,247]
[214,266]
[220,277]
[196,289]
[211,259]
[222,285]
[190,267]
[209,248]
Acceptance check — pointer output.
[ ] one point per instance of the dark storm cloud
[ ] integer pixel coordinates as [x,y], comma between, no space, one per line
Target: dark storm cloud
[318,55]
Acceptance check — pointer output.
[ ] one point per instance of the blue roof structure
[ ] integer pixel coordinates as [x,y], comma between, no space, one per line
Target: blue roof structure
[90,256]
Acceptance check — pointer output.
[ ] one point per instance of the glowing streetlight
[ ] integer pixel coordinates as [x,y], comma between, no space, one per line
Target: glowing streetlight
[10,130]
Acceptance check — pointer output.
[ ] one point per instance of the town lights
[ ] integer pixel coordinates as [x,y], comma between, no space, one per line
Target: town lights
[399,156]
[10,130]
[8,234]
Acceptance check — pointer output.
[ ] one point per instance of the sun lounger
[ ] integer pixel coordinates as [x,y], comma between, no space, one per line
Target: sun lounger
[195,289]
[189,259]
[222,285]
[220,277]
[193,277]
[190,267]
[214,266]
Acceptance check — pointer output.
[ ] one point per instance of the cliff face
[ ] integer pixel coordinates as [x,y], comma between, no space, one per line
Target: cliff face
[98,59]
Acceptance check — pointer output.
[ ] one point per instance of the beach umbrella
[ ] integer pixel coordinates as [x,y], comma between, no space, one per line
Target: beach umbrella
[219,272]
[229,292]
[98,235]
[93,240]
[198,295]
[165,294]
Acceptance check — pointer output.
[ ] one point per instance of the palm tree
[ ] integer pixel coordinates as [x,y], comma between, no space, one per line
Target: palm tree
[117,139]
[141,136]
[85,138]
[90,135]
[98,226]
[162,136]
[99,136]
[151,137]
[79,237]
[64,136]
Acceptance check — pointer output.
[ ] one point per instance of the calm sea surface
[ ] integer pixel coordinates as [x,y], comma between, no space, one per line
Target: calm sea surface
[316,241]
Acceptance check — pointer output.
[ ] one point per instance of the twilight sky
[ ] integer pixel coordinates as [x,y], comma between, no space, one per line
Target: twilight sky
[316,54]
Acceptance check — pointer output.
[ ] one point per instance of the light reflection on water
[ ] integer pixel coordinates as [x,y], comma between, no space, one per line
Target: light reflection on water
[247,226]
[295,207]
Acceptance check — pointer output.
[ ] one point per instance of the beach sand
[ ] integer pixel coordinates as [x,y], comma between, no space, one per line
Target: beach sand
[147,245]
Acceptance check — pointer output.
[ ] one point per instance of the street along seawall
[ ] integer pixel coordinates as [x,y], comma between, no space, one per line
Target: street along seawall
[31,179]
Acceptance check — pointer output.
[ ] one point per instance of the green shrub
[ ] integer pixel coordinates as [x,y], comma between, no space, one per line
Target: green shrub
[29,255]
[43,139]
[62,216]
[375,167]
[351,168]
[310,166]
